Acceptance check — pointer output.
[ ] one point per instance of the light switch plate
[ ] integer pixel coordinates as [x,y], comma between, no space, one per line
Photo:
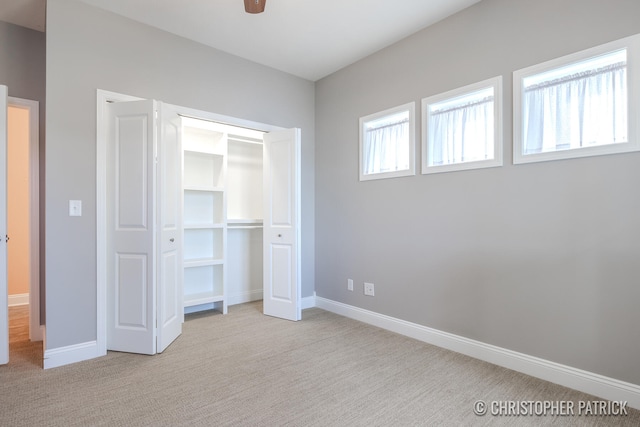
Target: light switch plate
[75,207]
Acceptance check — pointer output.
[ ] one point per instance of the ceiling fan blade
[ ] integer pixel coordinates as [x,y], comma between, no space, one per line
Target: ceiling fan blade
[254,6]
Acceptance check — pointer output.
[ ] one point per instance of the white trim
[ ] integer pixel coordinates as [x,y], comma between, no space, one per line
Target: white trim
[243,297]
[34,212]
[496,84]
[4,291]
[19,299]
[254,295]
[411,109]
[632,44]
[228,120]
[308,302]
[584,381]
[56,357]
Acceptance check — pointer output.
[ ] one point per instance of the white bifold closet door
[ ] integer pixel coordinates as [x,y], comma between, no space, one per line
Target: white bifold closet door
[144,227]
[281,239]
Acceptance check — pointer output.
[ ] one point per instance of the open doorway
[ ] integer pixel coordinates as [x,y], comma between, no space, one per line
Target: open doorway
[23,273]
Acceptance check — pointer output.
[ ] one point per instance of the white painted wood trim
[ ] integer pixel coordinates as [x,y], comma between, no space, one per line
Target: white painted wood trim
[4,291]
[228,120]
[308,302]
[243,297]
[19,299]
[56,357]
[577,379]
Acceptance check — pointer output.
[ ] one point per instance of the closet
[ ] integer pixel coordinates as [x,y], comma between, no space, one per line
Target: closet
[198,215]
[223,214]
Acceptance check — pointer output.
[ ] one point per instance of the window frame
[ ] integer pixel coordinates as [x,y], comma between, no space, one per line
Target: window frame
[632,46]
[411,109]
[497,161]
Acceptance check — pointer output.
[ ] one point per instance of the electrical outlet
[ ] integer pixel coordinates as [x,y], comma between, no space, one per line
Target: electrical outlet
[350,284]
[368,289]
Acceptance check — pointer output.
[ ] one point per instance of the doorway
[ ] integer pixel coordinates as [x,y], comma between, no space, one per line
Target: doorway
[23,222]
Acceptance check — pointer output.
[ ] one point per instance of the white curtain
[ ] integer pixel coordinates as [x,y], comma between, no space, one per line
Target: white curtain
[585,109]
[386,146]
[463,133]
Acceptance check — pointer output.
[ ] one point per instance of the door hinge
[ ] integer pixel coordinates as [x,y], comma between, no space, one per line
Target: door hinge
[6,236]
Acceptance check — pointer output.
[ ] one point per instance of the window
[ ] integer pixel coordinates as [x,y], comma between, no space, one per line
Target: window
[387,143]
[462,128]
[578,105]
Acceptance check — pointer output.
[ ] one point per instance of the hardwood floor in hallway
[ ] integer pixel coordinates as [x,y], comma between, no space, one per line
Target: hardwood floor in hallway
[23,353]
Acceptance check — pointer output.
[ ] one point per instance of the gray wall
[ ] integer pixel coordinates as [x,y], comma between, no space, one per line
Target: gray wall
[22,62]
[22,69]
[89,49]
[541,258]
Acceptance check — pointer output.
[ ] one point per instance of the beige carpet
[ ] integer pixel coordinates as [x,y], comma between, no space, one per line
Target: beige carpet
[246,369]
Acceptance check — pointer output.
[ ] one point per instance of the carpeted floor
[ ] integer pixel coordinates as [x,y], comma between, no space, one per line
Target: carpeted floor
[246,369]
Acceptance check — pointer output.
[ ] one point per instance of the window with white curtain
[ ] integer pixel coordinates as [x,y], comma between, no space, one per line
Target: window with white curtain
[462,128]
[578,105]
[387,143]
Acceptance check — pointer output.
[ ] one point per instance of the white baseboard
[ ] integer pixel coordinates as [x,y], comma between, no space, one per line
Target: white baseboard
[577,379]
[243,297]
[256,295]
[308,302]
[71,354]
[18,299]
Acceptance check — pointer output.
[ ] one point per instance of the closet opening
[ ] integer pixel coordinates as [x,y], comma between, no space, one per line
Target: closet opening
[223,214]
[234,219]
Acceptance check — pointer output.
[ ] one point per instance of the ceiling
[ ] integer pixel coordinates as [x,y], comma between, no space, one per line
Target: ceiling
[307,38]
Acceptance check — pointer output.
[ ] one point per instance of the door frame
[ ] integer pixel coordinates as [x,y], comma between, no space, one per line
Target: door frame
[35,328]
[4,286]
[103,97]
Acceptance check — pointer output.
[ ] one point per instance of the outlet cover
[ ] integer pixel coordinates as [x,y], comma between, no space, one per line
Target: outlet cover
[369,289]
[350,284]
[75,207]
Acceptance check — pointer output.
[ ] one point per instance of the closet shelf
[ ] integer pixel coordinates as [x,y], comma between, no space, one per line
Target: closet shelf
[202,226]
[206,152]
[202,262]
[202,188]
[246,224]
[202,298]
[244,221]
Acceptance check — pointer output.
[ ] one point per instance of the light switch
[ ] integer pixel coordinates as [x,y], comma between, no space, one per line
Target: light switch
[75,207]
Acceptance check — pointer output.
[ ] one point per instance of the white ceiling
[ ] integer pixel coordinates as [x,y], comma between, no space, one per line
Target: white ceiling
[307,38]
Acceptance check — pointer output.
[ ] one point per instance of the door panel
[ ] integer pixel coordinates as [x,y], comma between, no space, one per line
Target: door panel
[130,235]
[131,289]
[282,195]
[281,284]
[170,309]
[131,172]
[4,303]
